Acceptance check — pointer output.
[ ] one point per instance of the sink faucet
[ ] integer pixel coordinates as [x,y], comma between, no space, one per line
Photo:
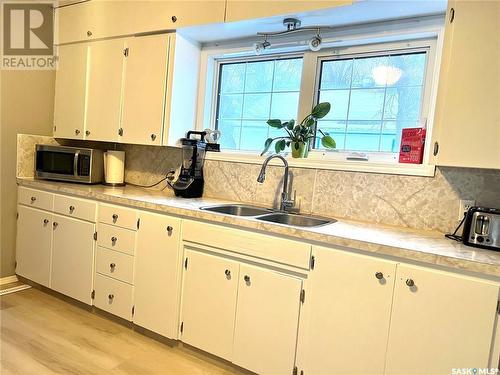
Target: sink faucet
[286,202]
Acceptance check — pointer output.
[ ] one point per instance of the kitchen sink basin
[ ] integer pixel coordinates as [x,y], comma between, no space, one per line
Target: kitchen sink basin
[295,220]
[237,210]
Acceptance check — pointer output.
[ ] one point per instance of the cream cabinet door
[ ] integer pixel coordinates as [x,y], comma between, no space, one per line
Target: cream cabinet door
[209,302]
[467,116]
[440,322]
[33,244]
[267,317]
[144,91]
[237,10]
[71,86]
[73,258]
[104,94]
[157,277]
[349,298]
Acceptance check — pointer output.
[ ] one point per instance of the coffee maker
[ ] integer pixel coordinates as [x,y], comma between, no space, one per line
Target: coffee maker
[189,182]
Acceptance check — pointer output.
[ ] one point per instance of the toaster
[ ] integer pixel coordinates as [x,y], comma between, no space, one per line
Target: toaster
[482,228]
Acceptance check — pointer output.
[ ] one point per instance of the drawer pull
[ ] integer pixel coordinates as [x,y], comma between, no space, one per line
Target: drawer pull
[111,297]
[71,208]
[113,240]
[77,131]
[170,230]
[227,273]
[54,224]
[410,282]
[112,266]
[115,217]
[379,275]
[45,221]
[33,199]
[247,279]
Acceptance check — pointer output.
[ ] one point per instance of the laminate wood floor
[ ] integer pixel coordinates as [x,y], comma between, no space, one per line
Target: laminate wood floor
[42,334]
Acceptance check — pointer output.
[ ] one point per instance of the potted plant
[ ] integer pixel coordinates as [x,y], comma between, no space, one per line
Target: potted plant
[299,136]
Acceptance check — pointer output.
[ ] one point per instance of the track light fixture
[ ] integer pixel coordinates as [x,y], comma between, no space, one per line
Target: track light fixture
[292,25]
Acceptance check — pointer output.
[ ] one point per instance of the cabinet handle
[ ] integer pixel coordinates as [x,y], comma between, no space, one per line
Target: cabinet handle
[174,19]
[111,296]
[246,278]
[89,33]
[45,221]
[153,137]
[113,240]
[77,131]
[170,229]
[33,199]
[54,224]
[120,132]
[71,208]
[379,275]
[227,273]
[436,149]
[87,132]
[410,282]
[112,266]
[115,217]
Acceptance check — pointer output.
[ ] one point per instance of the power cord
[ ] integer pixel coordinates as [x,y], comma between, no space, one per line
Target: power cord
[454,236]
[167,178]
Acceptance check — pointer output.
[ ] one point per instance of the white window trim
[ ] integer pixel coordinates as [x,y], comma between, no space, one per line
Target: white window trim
[412,35]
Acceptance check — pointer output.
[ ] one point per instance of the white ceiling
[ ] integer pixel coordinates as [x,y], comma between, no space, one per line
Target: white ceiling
[362,11]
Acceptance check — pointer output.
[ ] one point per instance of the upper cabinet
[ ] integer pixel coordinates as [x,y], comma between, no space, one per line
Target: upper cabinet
[99,18]
[139,90]
[468,107]
[238,10]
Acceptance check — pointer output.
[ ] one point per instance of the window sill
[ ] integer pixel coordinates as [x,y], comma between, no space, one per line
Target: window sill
[313,163]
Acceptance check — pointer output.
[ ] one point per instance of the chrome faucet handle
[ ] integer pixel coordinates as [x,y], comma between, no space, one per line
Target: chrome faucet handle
[288,203]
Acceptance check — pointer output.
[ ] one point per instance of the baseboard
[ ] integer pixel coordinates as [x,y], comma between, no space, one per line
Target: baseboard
[8,280]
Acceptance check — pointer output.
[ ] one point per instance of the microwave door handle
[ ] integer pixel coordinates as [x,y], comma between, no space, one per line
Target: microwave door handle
[75,163]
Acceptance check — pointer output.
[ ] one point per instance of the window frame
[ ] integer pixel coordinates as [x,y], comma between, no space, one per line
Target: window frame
[429,33]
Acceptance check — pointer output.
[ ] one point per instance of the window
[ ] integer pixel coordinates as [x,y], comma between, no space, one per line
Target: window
[373,98]
[251,92]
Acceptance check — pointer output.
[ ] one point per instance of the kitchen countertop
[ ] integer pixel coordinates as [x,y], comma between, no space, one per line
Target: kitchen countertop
[414,245]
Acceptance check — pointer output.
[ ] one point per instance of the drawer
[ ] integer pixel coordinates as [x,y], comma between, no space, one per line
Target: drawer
[75,207]
[115,238]
[273,248]
[119,216]
[35,198]
[114,296]
[116,265]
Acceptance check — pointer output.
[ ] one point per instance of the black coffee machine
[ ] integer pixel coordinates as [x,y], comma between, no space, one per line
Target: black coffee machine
[189,183]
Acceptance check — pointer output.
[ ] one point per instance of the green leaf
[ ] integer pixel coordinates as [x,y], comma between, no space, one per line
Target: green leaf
[267,144]
[310,122]
[328,142]
[280,146]
[275,123]
[321,110]
[290,124]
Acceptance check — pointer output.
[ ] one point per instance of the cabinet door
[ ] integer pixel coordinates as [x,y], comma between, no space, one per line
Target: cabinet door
[104,90]
[209,302]
[157,279]
[73,257]
[144,92]
[33,244]
[267,318]
[443,321]
[71,85]
[348,304]
[467,109]
[237,10]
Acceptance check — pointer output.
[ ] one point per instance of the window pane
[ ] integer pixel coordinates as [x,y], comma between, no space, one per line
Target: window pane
[382,96]
[252,92]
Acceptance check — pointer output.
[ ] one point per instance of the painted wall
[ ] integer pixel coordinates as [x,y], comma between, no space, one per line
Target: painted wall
[26,106]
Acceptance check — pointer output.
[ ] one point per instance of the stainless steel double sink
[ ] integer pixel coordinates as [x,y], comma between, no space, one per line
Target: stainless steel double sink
[264,214]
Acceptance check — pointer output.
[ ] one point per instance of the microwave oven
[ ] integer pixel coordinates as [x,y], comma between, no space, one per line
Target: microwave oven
[73,164]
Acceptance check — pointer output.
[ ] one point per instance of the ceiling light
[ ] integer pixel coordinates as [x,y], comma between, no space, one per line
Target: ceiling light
[386,75]
[258,48]
[315,43]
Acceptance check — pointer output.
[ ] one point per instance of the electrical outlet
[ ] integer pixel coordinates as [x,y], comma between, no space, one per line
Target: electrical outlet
[465,204]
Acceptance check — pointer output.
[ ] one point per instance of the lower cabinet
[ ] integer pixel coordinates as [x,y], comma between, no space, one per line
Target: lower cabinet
[157,274]
[246,314]
[73,257]
[114,296]
[440,321]
[348,307]
[34,244]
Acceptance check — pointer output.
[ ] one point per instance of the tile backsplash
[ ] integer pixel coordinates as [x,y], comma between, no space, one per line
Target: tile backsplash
[430,203]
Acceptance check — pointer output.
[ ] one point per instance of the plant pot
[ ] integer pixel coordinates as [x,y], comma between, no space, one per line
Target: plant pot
[299,149]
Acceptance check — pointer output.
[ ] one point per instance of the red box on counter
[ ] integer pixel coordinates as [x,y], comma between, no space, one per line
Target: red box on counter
[412,145]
